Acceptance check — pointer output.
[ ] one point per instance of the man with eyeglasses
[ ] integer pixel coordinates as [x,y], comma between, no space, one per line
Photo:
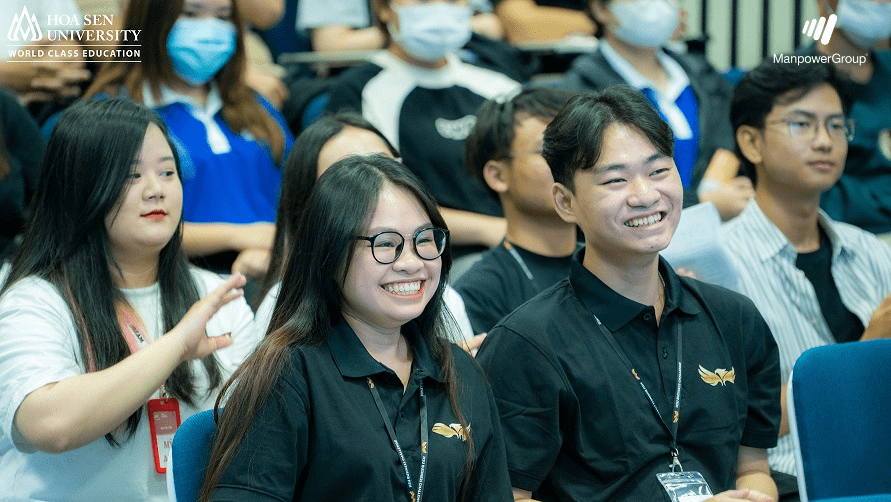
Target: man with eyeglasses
[815,280]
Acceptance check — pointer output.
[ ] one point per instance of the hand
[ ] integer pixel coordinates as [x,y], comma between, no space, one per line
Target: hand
[472,345]
[686,273]
[731,198]
[269,86]
[191,330]
[880,322]
[252,262]
[740,495]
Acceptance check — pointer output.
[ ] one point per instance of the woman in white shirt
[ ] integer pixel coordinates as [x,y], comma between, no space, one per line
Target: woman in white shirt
[99,278]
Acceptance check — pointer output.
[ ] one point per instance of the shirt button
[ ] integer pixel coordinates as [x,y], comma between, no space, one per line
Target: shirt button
[647,316]
[401,414]
[664,353]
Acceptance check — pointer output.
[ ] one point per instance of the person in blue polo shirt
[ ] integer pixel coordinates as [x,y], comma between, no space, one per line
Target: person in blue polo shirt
[230,140]
[626,381]
[354,393]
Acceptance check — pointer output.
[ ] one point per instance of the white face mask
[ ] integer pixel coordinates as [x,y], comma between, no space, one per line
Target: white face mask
[865,22]
[647,23]
[429,31]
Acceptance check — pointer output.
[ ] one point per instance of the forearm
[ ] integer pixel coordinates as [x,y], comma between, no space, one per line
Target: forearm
[81,409]
[784,421]
[207,238]
[524,22]
[753,471]
[345,38]
[468,228]
[262,14]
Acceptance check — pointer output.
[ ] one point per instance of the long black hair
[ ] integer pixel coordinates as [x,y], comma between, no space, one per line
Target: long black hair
[299,177]
[84,175]
[339,208]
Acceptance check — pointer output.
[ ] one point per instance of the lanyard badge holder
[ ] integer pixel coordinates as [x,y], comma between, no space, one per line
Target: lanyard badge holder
[681,486]
[163,413]
[164,420]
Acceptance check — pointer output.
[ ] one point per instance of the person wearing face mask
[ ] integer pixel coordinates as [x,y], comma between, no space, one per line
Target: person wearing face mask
[688,92]
[423,98]
[859,47]
[231,141]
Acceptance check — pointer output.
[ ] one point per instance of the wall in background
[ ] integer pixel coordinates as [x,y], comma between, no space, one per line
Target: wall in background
[761,28]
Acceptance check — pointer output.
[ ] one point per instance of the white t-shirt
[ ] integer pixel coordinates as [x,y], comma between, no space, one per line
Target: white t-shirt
[453,302]
[38,346]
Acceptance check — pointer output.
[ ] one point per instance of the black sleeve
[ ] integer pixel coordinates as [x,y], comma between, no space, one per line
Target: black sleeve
[528,390]
[763,376]
[484,296]
[346,89]
[489,480]
[274,452]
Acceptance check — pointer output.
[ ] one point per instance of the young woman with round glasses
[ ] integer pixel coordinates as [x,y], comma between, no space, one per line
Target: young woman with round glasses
[355,394]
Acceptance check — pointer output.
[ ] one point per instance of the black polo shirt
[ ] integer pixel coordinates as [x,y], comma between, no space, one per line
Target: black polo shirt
[320,436]
[577,425]
[497,284]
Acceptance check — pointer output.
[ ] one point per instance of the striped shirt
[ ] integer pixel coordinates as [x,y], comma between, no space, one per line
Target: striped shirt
[765,260]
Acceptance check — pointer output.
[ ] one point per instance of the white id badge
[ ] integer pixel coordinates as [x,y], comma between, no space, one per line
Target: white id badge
[688,486]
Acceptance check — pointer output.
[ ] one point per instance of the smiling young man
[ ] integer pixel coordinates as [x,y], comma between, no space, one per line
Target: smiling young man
[624,372]
[815,280]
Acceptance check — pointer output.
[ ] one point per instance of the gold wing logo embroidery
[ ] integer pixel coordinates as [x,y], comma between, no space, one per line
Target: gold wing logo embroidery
[719,376]
[451,430]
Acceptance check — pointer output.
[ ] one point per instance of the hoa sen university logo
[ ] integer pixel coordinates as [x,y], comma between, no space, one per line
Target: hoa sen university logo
[821,29]
[60,37]
[24,27]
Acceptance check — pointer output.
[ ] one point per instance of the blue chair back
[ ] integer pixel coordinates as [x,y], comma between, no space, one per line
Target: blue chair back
[840,416]
[190,452]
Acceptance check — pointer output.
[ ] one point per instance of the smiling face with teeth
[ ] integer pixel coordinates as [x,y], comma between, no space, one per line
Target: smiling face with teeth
[384,297]
[629,203]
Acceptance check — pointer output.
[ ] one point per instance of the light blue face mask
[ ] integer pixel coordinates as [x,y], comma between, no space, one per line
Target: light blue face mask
[198,48]
[865,22]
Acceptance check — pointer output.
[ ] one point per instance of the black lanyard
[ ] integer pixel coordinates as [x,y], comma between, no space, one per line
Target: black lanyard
[415,497]
[673,427]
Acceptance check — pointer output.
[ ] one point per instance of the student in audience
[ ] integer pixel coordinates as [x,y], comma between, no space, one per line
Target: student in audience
[358,338]
[543,20]
[423,99]
[99,278]
[625,371]
[860,47]
[21,148]
[815,280]
[231,141]
[326,141]
[504,150]
[39,80]
[348,25]
[686,90]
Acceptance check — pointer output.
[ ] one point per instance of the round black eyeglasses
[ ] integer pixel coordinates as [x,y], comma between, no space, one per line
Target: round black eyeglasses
[386,247]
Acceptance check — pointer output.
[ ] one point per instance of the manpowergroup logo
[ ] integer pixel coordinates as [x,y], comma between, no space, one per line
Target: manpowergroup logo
[63,37]
[821,29]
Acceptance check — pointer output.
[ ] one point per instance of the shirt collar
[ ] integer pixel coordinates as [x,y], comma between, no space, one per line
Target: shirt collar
[213,104]
[615,310]
[677,77]
[354,361]
[772,241]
